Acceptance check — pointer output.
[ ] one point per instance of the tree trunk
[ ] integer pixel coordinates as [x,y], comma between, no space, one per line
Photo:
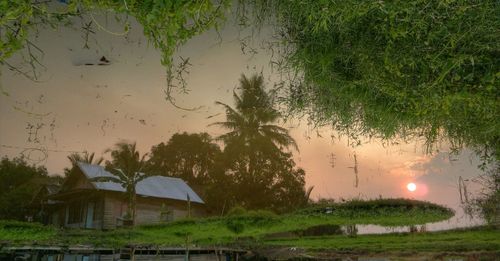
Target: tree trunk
[133,206]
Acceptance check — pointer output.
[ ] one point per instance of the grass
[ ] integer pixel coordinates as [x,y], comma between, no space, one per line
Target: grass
[17,231]
[478,239]
[252,229]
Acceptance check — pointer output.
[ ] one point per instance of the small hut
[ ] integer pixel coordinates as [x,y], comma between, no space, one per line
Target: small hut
[83,202]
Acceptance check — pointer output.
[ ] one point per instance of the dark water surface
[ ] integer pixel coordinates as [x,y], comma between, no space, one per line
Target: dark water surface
[41,256]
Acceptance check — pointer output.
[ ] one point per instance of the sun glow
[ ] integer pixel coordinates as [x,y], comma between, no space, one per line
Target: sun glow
[411,187]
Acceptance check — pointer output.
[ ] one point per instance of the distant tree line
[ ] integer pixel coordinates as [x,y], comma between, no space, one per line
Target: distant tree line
[19,183]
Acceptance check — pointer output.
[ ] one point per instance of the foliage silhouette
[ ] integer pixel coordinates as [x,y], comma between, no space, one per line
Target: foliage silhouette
[85,157]
[264,175]
[19,183]
[411,69]
[426,70]
[187,156]
[129,168]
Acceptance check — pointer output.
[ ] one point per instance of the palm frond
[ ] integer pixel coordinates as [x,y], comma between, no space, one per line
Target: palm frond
[226,125]
[280,136]
[119,174]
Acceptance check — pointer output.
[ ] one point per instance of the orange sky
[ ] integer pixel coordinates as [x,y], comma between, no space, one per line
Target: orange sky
[92,107]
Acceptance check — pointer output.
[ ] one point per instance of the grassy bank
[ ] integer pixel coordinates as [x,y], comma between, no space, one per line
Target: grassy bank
[477,239]
[251,225]
[262,228]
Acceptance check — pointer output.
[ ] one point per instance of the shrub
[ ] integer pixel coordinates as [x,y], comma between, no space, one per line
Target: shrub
[237,211]
[254,218]
[235,225]
[375,207]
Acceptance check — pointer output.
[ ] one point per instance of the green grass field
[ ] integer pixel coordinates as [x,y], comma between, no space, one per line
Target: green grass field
[254,229]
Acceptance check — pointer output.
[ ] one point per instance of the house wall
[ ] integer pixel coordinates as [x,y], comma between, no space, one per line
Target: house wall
[148,210]
[114,208]
[91,208]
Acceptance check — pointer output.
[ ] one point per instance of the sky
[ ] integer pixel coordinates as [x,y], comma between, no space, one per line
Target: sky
[74,108]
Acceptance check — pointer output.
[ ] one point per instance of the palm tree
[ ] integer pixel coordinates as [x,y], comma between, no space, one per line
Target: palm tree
[84,157]
[251,124]
[127,166]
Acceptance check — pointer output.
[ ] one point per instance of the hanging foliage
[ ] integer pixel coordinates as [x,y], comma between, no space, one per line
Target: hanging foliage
[166,24]
[392,68]
[412,69]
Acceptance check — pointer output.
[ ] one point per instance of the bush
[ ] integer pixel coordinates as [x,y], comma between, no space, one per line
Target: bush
[238,219]
[235,225]
[487,204]
[236,211]
[357,207]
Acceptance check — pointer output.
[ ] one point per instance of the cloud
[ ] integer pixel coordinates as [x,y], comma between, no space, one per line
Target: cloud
[412,168]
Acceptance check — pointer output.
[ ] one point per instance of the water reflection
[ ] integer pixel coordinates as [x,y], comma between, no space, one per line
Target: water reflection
[460,220]
[101,257]
[53,254]
[209,257]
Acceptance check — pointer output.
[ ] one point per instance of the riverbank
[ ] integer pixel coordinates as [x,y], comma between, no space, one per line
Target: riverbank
[317,229]
[335,218]
[460,240]
[481,243]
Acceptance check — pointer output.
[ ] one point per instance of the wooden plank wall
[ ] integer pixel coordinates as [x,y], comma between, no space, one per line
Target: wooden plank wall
[148,209]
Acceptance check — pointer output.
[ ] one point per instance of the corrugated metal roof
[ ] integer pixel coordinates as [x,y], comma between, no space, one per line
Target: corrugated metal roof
[154,186]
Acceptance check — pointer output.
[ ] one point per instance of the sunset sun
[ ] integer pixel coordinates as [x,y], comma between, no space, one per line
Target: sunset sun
[411,187]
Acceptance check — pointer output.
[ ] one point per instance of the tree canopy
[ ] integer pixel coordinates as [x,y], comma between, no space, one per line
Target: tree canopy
[388,69]
[187,156]
[251,125]
[19,183]
[264,175]
[393,68]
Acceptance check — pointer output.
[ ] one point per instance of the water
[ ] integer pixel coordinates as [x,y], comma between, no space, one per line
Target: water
[179,254]
[90,254]
[210,257]
[460,220]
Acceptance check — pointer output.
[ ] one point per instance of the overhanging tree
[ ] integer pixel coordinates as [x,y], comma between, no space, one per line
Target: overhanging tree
[167,25]
[378,68]
[406,69]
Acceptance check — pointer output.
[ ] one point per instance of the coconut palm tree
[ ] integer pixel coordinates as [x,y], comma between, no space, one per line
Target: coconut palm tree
[127,166]
[252,131]
[84,157]
[252,121]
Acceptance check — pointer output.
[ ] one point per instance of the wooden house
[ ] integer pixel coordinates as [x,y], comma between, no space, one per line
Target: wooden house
[83,202]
